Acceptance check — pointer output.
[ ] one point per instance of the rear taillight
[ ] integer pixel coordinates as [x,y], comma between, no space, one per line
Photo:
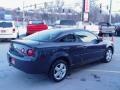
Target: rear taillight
[30,52]
[13,30]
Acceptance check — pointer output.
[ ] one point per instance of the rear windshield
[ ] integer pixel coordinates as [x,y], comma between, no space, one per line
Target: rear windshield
[67,22]
[36,22]
[43,36]
[6,24]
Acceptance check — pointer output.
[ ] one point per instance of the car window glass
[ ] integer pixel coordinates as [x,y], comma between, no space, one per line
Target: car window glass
[85,36]
[67,22]
[68,38]
[46,35]
[6,24]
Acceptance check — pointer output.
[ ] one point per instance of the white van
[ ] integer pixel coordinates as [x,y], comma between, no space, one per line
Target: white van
[8,30]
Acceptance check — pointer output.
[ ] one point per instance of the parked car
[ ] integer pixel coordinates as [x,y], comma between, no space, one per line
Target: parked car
[105,27]
[117,29]
[54,51]
[65,24]
[35,26]
[8,30]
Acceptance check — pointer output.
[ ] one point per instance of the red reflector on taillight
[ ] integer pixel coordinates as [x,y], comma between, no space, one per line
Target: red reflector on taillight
[30,52]
[13,30]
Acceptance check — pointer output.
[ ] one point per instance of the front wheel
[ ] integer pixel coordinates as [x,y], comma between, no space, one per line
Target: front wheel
[58,71]
[108,55]
[116,33]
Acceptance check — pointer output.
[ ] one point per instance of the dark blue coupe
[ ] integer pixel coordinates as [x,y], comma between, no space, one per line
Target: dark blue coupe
[54,51]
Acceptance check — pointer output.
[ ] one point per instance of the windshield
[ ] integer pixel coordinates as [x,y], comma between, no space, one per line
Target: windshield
[43,36]
[67,22]
[6,24]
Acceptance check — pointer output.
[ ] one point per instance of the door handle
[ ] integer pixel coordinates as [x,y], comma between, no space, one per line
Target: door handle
[78,46]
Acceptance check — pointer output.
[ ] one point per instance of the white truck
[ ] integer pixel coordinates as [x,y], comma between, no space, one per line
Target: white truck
[8,30]
[106,28]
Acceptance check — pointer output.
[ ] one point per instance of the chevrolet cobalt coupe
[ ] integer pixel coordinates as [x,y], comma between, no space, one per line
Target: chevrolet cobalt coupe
[55,51]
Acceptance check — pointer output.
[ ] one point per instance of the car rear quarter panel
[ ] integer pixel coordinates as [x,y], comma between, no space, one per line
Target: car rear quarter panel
[51,54]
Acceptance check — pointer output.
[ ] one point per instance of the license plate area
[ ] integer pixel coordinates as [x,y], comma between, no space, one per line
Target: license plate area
[3,31]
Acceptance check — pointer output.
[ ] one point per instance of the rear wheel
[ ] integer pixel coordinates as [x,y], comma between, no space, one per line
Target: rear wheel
[58,71]
[17,35]
[108,55]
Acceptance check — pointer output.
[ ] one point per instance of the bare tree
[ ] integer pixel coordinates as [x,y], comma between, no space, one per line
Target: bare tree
[96,15]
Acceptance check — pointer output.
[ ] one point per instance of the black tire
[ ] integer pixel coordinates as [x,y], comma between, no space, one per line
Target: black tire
[17,36]
[116,33]
[108,55]
[53,71]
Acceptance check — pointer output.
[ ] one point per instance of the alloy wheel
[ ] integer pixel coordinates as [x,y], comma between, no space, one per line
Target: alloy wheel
[60,71]
[108,55]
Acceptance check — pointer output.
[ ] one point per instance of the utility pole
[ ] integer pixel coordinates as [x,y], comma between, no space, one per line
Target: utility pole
[85,9]
[110,15]
[23,12]
[82,11]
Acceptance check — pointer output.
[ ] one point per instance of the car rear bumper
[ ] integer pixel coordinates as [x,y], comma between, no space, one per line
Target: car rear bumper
[34,31]
[31,67]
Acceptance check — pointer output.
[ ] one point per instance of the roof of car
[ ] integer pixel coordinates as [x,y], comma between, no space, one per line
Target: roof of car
[64,29]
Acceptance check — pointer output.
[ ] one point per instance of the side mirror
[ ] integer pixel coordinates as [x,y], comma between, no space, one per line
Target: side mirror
[100,39]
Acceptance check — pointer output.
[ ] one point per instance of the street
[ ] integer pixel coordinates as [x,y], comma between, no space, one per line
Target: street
[96,76]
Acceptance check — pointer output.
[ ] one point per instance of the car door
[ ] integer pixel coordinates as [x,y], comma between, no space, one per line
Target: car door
[93,50]
[72,47]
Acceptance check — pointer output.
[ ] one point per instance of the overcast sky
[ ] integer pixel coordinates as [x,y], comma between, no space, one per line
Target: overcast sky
[19,3]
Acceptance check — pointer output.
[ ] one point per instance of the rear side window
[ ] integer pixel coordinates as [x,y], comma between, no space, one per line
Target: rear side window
[85,36]
[6,24]
[68,38]
[46,35]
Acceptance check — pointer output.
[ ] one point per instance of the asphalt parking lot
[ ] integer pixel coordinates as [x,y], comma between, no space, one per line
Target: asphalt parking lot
[96,76]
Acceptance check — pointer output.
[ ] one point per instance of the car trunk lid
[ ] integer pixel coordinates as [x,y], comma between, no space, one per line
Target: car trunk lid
[24,48]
